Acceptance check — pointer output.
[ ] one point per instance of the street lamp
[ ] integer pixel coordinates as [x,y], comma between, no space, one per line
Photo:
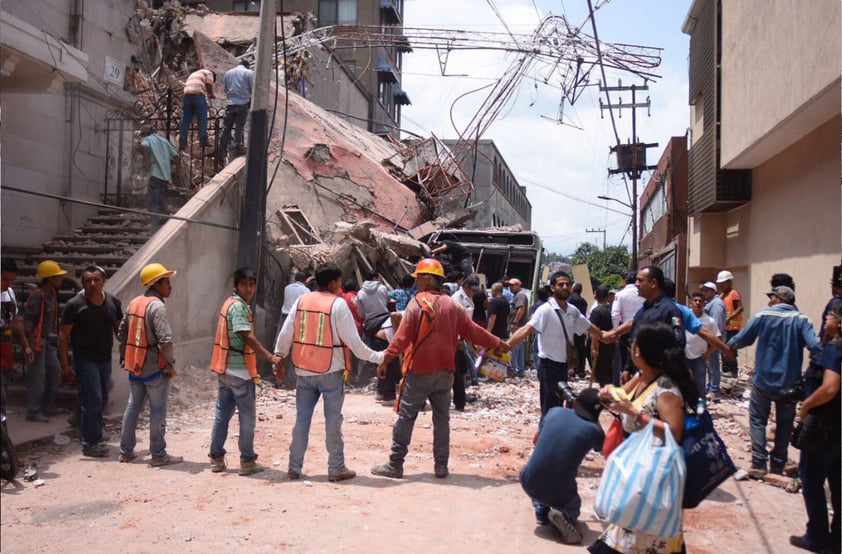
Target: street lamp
[633,208]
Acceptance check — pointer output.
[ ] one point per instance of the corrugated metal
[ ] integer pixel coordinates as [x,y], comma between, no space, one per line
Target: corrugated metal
[701,193]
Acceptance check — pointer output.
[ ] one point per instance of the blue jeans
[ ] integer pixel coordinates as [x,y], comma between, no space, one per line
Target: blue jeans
[814,469]
[155,202]
[193,105]
[730,367]
[42,378]
[235,118]
[232,393]
[518,359]
[92,378]
[414,394]
[331,388]
[699,369]
[156,390]
[549,374]
[714,376]
[759,407]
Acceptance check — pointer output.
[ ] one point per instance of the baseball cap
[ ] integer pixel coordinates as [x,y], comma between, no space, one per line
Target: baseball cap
[784,293]
[708,285]
[472,282]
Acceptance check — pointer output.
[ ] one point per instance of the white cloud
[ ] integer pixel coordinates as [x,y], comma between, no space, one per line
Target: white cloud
[537,149]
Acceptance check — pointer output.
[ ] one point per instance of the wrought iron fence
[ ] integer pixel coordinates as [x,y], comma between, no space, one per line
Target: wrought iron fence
[125,178]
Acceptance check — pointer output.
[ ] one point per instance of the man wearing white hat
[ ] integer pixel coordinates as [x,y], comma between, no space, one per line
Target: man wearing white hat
[733,313]
[715,308]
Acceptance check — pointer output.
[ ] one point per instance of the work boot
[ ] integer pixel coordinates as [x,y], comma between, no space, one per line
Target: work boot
[341,475]
[126,457]
[217,465]
[165,460]
[250,468]
[757,472]
[387,470]
[569,533]
[441,471]
[293,475]
[98,450]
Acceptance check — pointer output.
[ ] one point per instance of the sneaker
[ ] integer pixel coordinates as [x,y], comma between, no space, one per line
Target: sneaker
[756,472]
[441,471]
[165,460]
[341,475]
[388,403]
[126,457]
[378,397]
[387,470]
[37,417]
[98,450]
[804,543]
[250,468]
[569,533]
[293,475]
[217,465]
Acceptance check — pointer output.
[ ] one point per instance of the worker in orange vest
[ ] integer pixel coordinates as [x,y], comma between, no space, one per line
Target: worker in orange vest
[235,351]
[146,349]
[317,335]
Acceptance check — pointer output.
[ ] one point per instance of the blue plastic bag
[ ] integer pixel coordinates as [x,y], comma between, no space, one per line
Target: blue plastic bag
[706,457]
[642,485]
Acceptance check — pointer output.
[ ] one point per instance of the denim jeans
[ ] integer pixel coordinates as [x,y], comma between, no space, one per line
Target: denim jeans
[235,118]
[387,386]
[760,405]
[42,378]
[549,374]
[814,469]
[193,105]
[414,394]
[232,393]
[156,390]
[155,200]
[730,367]
[92,379]
[331,388]
[699,370]
[714,376]
[518,359]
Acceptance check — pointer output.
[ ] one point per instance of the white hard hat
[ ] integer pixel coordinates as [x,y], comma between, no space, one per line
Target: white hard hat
[724,275]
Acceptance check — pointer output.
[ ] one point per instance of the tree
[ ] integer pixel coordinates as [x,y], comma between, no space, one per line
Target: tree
[606,265]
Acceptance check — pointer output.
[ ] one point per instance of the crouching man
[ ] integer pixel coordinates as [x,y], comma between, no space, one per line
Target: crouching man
[235,351]
[549,477]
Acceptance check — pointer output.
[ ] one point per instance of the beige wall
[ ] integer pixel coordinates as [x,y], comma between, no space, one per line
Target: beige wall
[783,55]
[205,259]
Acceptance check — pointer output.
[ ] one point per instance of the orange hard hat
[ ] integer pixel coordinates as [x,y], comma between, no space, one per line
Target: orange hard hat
[429,265]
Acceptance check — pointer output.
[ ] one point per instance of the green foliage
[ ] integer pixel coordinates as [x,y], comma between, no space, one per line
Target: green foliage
[606,266]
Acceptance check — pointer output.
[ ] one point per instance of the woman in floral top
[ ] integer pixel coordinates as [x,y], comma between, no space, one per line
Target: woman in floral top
[661,392]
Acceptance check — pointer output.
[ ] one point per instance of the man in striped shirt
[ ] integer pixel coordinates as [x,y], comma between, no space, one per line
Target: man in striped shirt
[197,89]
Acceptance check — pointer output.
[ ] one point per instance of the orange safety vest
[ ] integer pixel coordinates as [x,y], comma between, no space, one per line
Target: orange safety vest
[221,345]
[427,302]
[39,328]
[737,323]
[137,343]
[312,341]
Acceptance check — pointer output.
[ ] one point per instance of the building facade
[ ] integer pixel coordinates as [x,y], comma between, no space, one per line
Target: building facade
[497,197]
[63,67]
[663,216]
[764,193]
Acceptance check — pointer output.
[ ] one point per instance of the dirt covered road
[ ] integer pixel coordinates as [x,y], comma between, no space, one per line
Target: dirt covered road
[100,505]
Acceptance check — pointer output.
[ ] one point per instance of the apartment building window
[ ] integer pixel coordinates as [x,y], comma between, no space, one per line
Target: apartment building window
[654,210]
[697,118]
[246,6]
[337,12]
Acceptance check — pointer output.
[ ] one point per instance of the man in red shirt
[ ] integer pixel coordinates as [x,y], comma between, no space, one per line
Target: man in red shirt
[428,335]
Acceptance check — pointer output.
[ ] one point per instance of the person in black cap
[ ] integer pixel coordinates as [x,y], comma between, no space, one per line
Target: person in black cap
[564,438]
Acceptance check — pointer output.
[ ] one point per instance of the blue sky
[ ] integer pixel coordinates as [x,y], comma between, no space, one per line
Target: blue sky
[555,162]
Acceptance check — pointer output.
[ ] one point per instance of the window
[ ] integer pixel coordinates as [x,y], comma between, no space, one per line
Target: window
[667,265]
[337,12]
[697,118]
[246,6]
[654,210]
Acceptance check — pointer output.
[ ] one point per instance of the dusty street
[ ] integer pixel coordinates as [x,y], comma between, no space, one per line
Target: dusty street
[93,505]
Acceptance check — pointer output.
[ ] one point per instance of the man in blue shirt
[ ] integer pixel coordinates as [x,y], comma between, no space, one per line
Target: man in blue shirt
[239,83]
[781,332]
[157,153]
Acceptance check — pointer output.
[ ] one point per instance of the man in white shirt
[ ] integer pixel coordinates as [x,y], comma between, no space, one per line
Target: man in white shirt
[292,292]
[318,348]
[557,323]
[698,351]
[465,297]
[626,303]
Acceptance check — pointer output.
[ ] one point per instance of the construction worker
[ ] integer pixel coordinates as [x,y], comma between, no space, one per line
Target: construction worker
[428,335]
[235,351]
[11,327]
[89,322]
[734,320]
[194,104]
[157,153]
[146,348]
[317,335]
[41,323]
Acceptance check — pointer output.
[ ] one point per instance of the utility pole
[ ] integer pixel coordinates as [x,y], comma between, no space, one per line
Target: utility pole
[598,231]
[253,214]
[631,158]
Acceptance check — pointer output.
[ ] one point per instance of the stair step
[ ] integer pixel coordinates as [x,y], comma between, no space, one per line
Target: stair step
[77,259]
[118,218]
[134,228]
[105,238]
[115,248]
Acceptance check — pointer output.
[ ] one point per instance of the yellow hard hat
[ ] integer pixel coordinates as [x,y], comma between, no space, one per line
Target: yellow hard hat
[429,265]
[152,272]
[49,268]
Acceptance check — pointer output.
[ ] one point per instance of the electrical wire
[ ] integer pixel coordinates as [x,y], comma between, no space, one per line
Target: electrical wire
[286,103]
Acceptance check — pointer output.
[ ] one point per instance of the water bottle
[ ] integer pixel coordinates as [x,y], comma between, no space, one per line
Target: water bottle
[700,406]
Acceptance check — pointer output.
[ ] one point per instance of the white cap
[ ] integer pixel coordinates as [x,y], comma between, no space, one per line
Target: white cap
[724,275]
[708,285]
